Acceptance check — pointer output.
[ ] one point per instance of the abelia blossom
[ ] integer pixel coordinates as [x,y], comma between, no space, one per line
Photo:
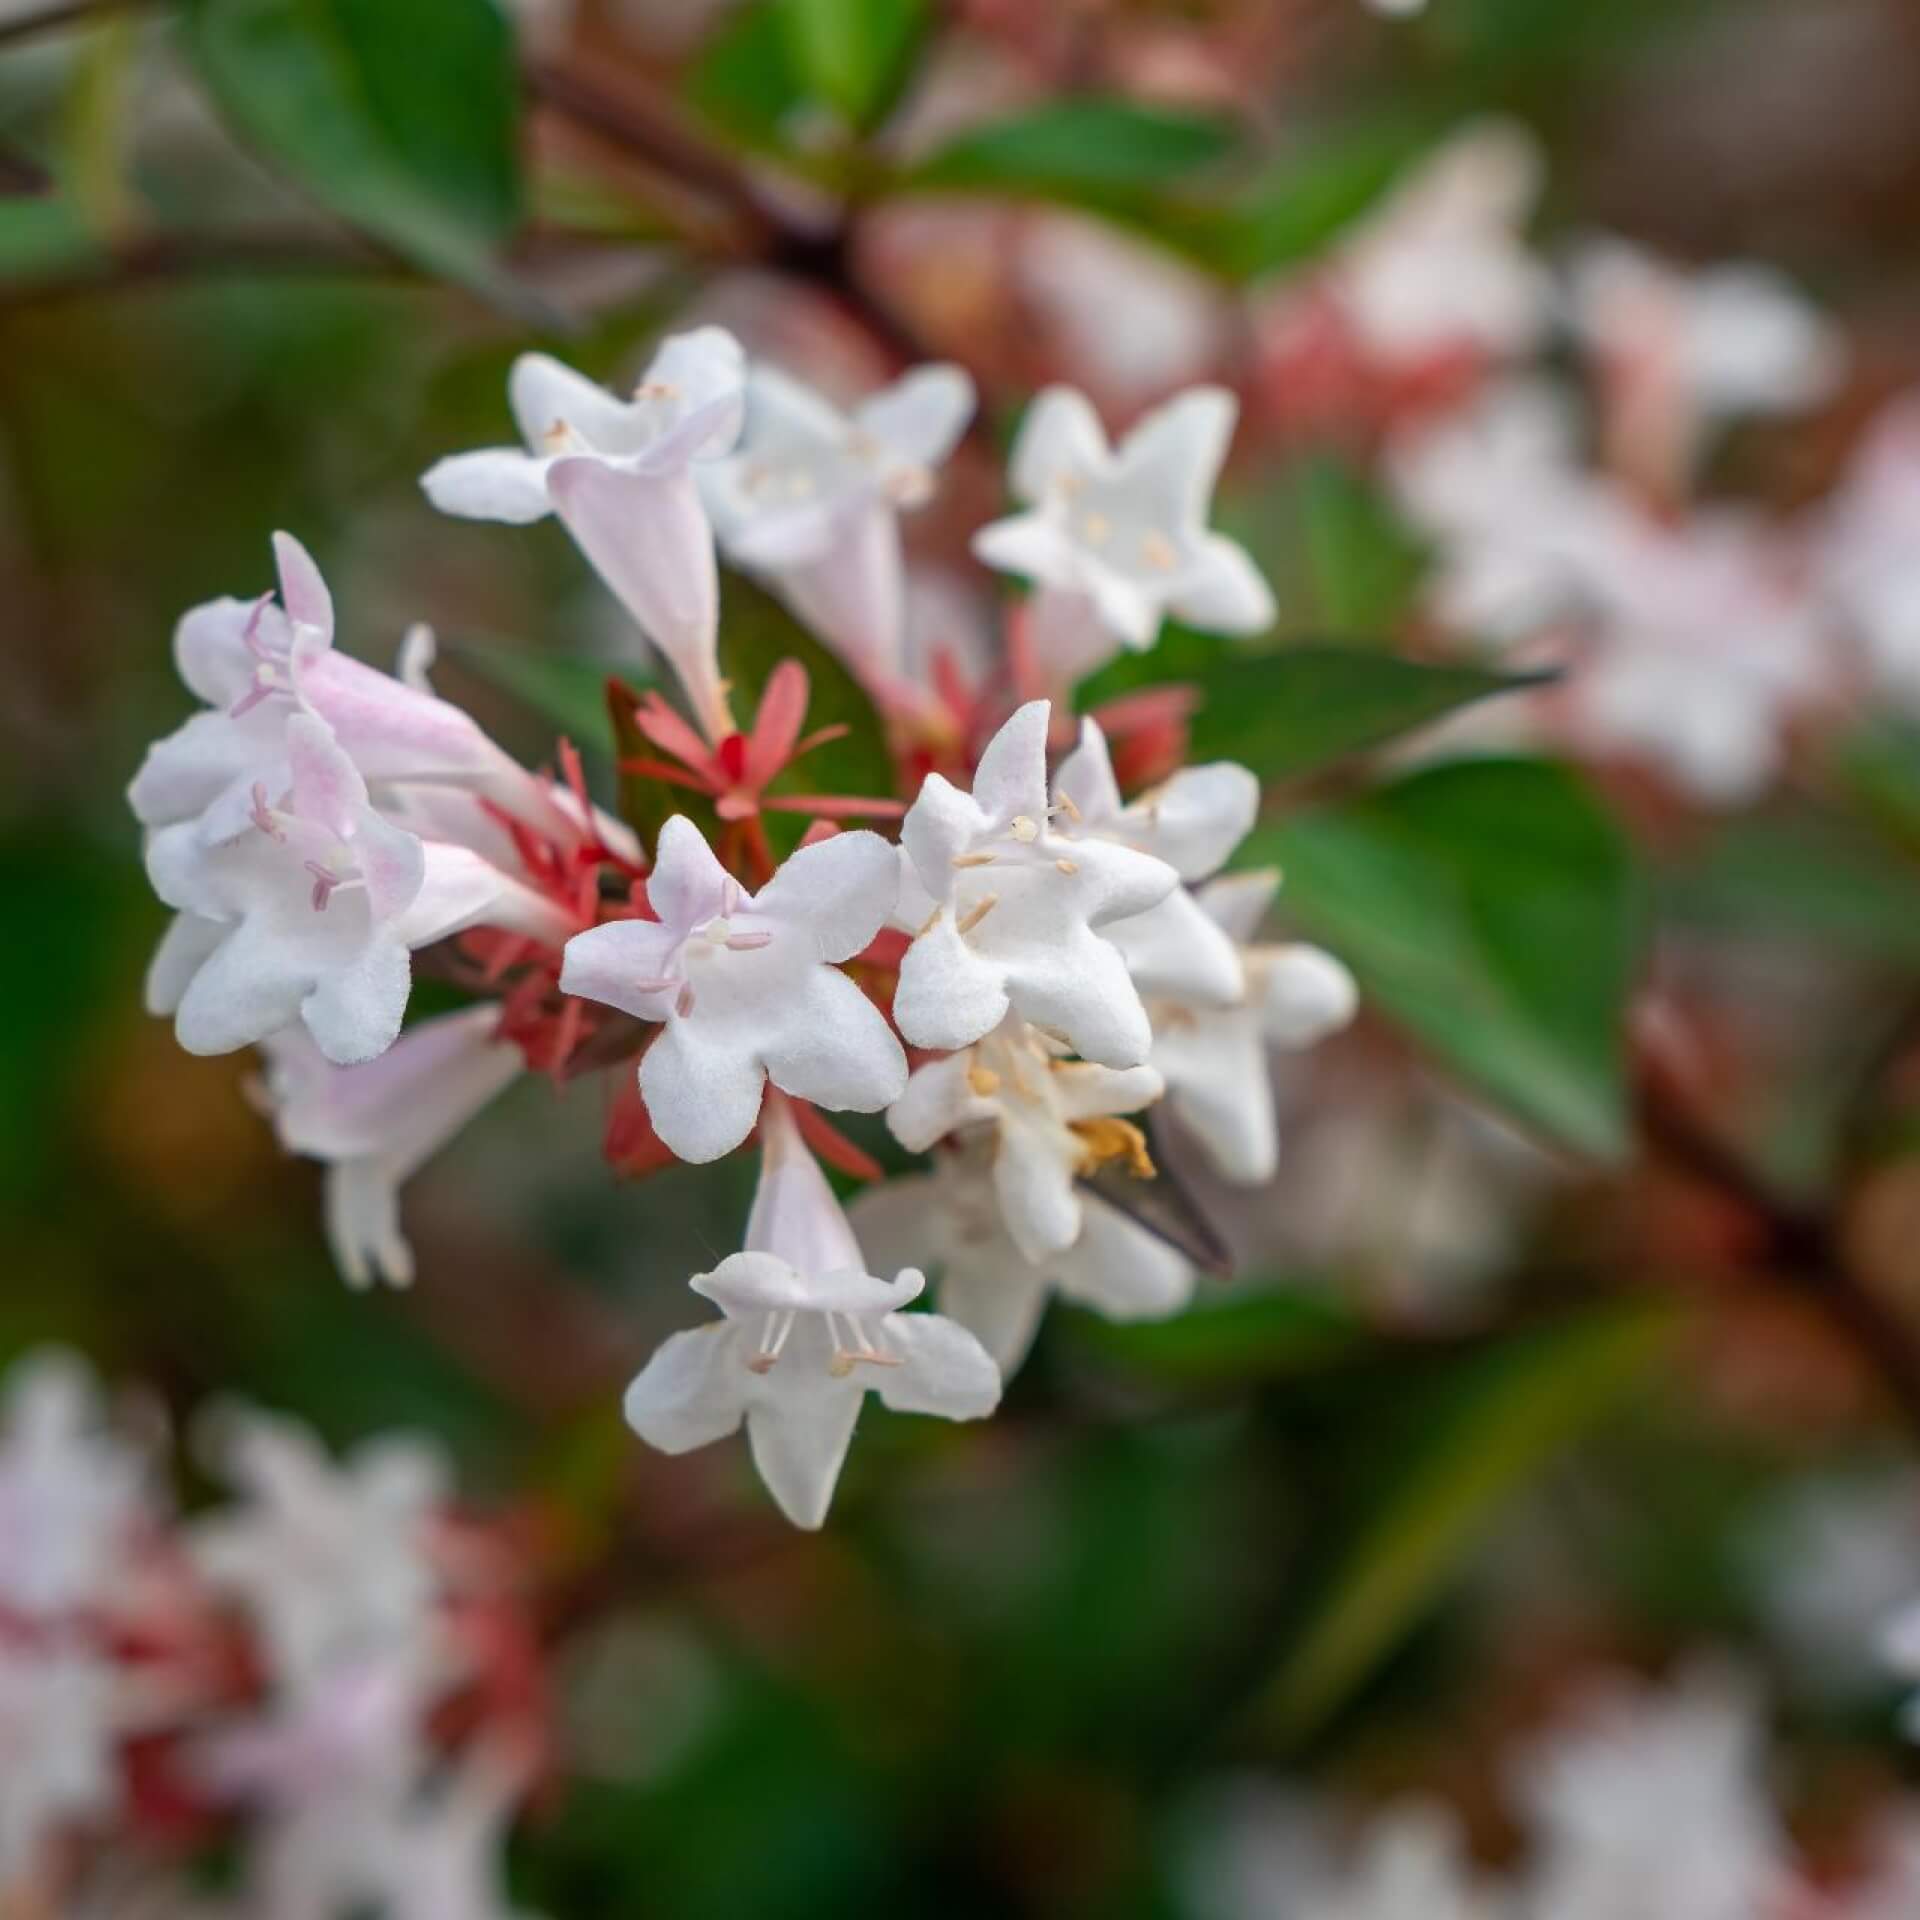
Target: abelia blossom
[952,1218]
[255,664]
[1868,551]
[1053,1120]
[1007,909]
[376,1124]
[311,915]
[58,1742]
[747,986]
[72,1493]
[806,1332]
[1193,822]
[1123,530]
[621,476]
[812,498]
[1214,1059]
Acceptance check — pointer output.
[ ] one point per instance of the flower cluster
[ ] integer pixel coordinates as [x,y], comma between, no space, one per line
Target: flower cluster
[332,1669]
[1036,959]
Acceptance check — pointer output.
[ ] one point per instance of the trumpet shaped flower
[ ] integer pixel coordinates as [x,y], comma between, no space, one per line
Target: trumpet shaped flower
[1010,911]
[1192,822]
[255,664]
[953,1219]
[1053,1120]
[1125,528]
[1214,1059]
[806,1332]
[620,476]
[747,986]
[812,498]
[58,1749]
[312,914]
[376,1124]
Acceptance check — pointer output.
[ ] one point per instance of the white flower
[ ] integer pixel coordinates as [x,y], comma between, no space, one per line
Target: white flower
[255,663]
[812,500]
[376,1124]
[311,915]
[441,1858]
[748,985]
[1442,266]
[806,1332]
[951,1219]
[58,1753]
[71,1492]
[1410,1865]
[1126,528]
[1192,822]
[1214,1059]
[1653,1804]
[1900,1648]
[1010,906]
[1053,1119]
[1869,550]
[333,1562]
[621,476]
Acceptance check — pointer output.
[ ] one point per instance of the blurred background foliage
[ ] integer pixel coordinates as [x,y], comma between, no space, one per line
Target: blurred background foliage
[262,261]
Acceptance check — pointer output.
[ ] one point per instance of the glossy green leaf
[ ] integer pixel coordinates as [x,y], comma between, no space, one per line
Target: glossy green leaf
[1493,908]
[1302,708]
[1501,1421]
[746,79]
[404,120]
[1363,565]
[1081,151]
[854,55]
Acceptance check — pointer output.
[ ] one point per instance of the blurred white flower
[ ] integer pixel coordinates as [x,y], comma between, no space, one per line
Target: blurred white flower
[58,1753]
[748,986]
[621,476]
[1125,529]
[1869,550]
[951,1218]
[376,1124]
[1007,909]
[806,1332]
[813,497]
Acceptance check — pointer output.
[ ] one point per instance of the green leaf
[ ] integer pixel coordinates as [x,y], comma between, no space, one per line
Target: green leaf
[1300,709]
[1501,1421]
[567,691]
[746,79]
[42,238]
[1362,563]
[404,120]
[855,55]
[757,634]
[1253,1336]
[1494,909]
[1087,152]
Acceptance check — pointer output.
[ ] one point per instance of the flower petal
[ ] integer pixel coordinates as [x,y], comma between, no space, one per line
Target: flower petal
[1224,592]
[702,1087]
[1011,778]
[948,995]
[1085,777]
[303,593]
[1309,994]
[1060,439]
[495,483]
[946,1371]
[1121,1269]
[1173,456]
[1038,1200]
[613,964]
[838,892]
[1196,819]
[184,949]
[938,1099]
[1176,952]
[691,1393]
[922,415]
[688,885]
[354,1011]
[799,1431]
[545,394]
[830,1044]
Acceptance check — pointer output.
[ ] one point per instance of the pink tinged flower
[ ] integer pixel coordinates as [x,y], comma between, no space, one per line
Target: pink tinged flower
[1051,1119]
[376,1124]
[1214,1059]
[1010,912]
[806,1332]
[1127,527]
[312,914]
[72,1494]
[812,499]
[951,1220]
[1193,822]
[442,1857]
[1868,551]
[255,664]
[59,1748]
[333,1562]
[748,987]
[621,476]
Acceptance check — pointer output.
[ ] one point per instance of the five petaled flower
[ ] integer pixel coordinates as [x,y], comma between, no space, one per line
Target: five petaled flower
[807,1331]
[748,985]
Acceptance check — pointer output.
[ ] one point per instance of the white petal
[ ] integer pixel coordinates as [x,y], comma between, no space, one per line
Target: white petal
[795,1217]
[838,892]
[1084,993]
[1038,1199]
[828,1043]
[1031,544]
[946,1371]
[610,963]
[303,593]
[210,650]
[702,1087]
[1173,457]
[1238,902]
[1121,1269]
[1225,592]
[942,822]
[1086,778]
[363,1224]
[1309,994]
[694,394]
[544,395]
[1011,778]
[1218,1086]
[243,991]
[1083,1091]
[354,1011]
[495,483]
[1196,819]
[1175,952]
[938,1098]
[853,595]
[1060,438]
[948,996]
[692,1391]
[1000,1305]
[184,948]
[800,1431]
[688,885]
[922,415]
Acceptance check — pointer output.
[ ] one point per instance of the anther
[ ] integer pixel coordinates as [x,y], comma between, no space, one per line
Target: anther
[748,942]
[977,912]
[684,1004]
[1065,805]
[1025,829]
[1098,529]
[984,1081]
[1067,866]
[1158,551]
[973,859]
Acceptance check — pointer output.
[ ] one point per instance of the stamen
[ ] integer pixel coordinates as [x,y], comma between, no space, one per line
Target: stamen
[684,1005]
[1065,805]
[932,920]
[747,942]
[1097,528]
[977,912]
[1106,1138]
[773,1338]
[262,815]
[326,883]
[973,859]
[1025,829]
[984,1081]
[1067,866]
[1158,551]
[656,390]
